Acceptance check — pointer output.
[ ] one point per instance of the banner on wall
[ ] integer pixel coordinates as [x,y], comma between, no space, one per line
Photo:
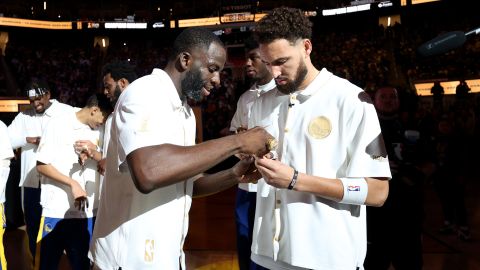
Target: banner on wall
[449,87]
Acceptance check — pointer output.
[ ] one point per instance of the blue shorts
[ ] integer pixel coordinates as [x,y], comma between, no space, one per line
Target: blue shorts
[57,235]
[3,260]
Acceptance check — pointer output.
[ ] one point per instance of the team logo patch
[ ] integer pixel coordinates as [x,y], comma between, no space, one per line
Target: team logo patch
[353,188]
[149,250]
[47,227]
[319,127]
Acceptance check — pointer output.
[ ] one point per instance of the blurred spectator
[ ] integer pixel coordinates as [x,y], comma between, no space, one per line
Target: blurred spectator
[448,179]
[437,92]
[394,231]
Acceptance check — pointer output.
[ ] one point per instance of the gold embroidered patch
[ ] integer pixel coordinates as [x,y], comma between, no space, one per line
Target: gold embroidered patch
[149,250]
[319,127]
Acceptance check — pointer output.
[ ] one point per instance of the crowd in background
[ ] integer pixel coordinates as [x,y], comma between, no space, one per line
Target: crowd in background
[371,59]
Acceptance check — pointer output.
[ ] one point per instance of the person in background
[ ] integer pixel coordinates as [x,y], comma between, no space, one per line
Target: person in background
[437,91]
[116,77]
[394,231]
[153,165]
[6,153]
[70,187]
[25,132]
[449,179]
[461,92]
[330,161]
[245,202]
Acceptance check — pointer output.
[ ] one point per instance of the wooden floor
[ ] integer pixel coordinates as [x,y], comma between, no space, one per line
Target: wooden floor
[211,241]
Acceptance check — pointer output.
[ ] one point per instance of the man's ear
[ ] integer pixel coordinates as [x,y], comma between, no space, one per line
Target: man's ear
[185,60]
[48,94]
[94,109]
[307,44]
[123,83]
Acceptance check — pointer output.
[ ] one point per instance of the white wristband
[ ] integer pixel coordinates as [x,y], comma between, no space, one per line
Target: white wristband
[355,190]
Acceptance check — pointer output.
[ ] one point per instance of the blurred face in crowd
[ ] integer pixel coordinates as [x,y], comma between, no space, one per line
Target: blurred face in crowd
[40,103]
[204,72]
[386,101]
[286,63]
[111,89]
[255,69]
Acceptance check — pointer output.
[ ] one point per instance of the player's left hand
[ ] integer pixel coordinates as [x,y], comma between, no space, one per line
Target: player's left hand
[246,171]
[274,172]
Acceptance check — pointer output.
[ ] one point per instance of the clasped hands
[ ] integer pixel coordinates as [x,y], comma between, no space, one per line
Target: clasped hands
[246,169]
[84,150]
[266,165]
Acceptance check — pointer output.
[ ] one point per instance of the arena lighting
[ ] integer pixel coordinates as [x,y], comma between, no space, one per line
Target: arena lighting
[5,21]
[12,105]
[125,25]
[103,43]
[211,21]
[158,25]
[351,9]
[385,4]
[449,87]
[414,2]
[44,5]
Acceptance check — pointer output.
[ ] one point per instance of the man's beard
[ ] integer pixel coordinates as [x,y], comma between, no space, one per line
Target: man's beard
[192,84]
[292,86]
[116,94]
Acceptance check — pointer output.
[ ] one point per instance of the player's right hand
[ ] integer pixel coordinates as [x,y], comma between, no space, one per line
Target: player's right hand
[255,141]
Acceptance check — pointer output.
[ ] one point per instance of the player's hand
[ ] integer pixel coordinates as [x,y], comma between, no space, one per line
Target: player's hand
[241,155]
[77,190]
[256,141]
[274,172]
[81,203]
[33,140]
[101,166]
[85,146]
[82,158]
[245,171]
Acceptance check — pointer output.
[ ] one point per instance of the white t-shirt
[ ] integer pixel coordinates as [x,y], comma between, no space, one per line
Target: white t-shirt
[6,154]
[240,118]
[57,149]
[331,131]
[30,124]
[135,230]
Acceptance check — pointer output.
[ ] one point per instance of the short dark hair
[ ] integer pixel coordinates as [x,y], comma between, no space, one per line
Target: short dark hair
[119,70]
[250,44]
[283,23]
[193,38]
[99,100]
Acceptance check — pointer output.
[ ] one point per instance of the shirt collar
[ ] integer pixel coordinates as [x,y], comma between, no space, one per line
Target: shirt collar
[265,87]
[315,86]
[171,92]
[50,111]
